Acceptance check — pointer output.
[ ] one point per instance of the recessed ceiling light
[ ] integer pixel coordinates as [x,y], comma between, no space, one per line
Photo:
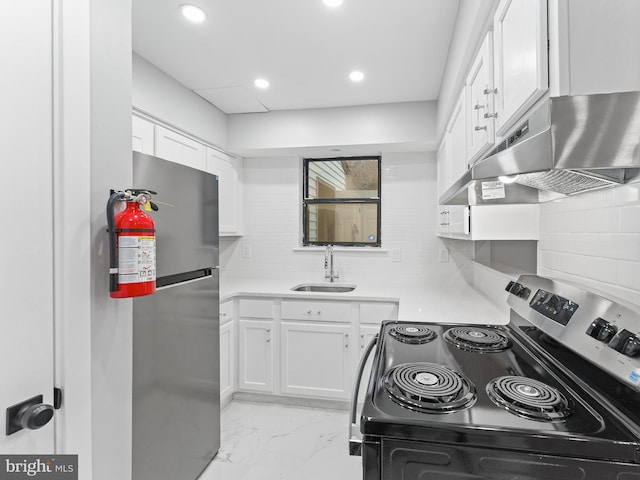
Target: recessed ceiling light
[333,3]
[356,76]
[193,13]
[261,83]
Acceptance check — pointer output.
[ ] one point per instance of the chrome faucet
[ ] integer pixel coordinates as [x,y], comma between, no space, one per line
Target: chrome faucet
[328,264]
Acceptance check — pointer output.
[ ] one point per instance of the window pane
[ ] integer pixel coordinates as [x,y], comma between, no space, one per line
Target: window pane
[343,178]
[342,223]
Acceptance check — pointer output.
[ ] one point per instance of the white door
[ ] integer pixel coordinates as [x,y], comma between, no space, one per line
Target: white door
[456,140]
[227,170]
[367,332]
[26,243]
[315,360]
[180,149]
[255,355]
[480,135]
[520,59]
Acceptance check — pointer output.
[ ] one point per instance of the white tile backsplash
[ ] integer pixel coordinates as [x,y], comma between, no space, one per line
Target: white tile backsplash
[594,239]
[272,189]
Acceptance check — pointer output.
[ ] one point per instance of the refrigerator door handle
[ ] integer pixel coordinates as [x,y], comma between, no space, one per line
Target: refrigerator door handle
[169,281]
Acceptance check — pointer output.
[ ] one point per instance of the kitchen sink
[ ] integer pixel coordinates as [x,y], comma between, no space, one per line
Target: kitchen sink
[323,287]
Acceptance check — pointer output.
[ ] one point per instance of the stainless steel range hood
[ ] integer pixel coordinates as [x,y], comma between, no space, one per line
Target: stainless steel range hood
[568,145]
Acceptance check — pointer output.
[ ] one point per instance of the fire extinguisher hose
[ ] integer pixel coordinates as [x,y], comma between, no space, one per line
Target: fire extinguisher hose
[113,252]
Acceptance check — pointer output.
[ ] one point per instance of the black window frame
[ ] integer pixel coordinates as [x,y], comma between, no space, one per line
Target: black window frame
[309,201]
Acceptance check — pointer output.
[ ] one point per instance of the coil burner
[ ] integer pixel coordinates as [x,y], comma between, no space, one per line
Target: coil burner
[475,339]
[528,398]
[429,388]
[412,334]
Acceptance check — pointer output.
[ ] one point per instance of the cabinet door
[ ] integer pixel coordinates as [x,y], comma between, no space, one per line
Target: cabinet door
[227,361]
[367,332]
[458,219]
[228,171]
[255,356]
[520,59]
[315,360]
[457,141]
[443,178]
[480,132]
[142,135]
[180,149]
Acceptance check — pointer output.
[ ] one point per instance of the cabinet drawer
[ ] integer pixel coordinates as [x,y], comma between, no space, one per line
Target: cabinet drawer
[226,312]
[376,313]
[325,311]
[250,308]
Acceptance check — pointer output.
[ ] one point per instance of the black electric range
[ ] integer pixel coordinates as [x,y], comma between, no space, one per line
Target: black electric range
[554,394]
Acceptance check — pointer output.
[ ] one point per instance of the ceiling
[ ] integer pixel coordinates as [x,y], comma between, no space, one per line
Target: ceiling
[305,49]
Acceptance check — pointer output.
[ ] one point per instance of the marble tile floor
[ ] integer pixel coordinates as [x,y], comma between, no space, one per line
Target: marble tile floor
[280,442]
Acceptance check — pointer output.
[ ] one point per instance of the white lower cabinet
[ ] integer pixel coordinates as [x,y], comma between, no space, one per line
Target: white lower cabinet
[255,355]
[367,332]
[315,359]
[227,361]
[300,347]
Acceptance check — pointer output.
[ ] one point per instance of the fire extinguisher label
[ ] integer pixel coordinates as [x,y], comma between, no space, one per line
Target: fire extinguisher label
[136,259]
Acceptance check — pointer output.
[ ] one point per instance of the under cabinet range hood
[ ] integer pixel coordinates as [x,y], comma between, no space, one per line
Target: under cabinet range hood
[567,145]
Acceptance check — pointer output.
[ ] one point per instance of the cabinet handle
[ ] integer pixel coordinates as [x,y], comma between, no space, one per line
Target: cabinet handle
[478,106]
[268,330]
[319,312]
[489,91]
[490,115]
[480,128]
[223,314]
[268,340]
[346,340]
[308,312]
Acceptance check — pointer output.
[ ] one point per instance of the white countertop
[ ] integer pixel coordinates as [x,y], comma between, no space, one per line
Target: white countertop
[417,302]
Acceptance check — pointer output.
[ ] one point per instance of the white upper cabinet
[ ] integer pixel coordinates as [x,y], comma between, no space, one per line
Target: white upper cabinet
[520,59]
[441,157]
[594,46]
[480,89]
[142,135]
[179,148]
[456,141]
[228,170]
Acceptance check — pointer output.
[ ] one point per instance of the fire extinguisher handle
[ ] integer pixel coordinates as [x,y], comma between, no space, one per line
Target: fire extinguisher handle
[154,206]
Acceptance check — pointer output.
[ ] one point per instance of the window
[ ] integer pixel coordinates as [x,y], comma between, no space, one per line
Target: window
[341,201]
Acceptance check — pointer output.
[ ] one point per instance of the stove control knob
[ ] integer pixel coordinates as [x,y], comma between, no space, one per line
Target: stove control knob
[626,343]
[518,290]
[602,330]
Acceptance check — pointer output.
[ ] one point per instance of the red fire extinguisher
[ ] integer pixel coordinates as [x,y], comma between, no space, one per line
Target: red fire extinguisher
[132,245]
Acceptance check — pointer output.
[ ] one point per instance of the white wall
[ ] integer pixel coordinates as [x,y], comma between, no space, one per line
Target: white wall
[404,126]
[159,95]
[111,325]
[594,239]
[273,224]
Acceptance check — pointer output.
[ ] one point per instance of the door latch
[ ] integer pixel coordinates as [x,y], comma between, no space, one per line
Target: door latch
[31,414]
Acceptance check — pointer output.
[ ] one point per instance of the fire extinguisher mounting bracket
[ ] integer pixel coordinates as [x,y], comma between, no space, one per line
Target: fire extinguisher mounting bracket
[133,231]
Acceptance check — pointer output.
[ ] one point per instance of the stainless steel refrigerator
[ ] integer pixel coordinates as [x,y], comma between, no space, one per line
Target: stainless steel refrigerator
[176,359]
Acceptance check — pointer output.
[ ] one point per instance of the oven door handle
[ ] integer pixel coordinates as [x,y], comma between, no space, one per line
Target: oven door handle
[355,437]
